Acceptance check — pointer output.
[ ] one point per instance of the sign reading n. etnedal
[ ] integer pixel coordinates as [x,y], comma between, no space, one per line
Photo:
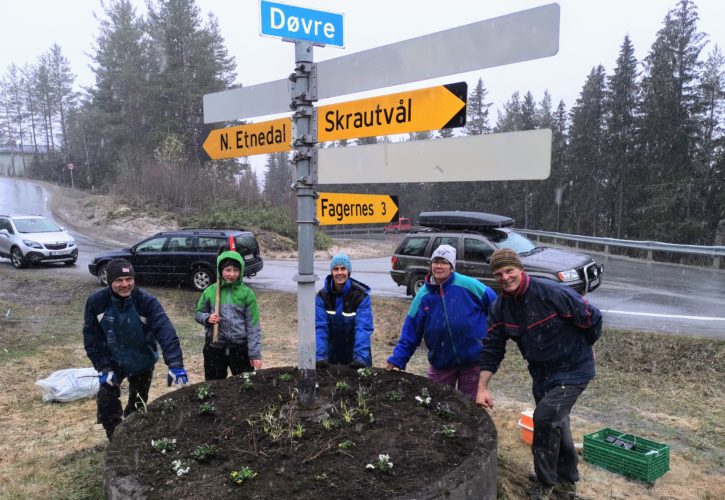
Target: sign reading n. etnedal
[246,140]
[300,24]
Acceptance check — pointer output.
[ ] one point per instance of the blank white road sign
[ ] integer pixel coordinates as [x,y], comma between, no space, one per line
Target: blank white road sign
[508,156]
[521,36]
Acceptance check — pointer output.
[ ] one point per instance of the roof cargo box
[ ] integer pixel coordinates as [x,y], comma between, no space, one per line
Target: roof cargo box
[456,220]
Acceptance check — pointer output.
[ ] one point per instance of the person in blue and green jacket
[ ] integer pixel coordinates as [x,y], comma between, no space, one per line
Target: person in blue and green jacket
[343,318]
[449,312]
[238,346]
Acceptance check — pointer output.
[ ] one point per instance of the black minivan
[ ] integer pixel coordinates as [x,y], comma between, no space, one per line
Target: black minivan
[475,236]
[184,255]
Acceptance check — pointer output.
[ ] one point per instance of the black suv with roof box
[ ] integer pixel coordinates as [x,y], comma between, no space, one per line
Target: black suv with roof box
[475,236]
[183,255]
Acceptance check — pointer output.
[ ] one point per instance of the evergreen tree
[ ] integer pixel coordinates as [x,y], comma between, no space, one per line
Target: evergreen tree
[191,61]
[620,137]
[278,180]
[477,109]
[61,82]
[669,130]
[585,156]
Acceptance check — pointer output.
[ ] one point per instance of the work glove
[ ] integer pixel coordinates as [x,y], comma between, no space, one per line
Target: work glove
[356,363]
[177,375]
[108,377]
[321,363]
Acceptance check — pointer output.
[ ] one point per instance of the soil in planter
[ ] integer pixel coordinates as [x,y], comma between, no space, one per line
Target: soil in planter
[295,453]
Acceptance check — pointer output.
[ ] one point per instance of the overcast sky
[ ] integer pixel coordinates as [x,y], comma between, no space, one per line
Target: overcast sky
[591,33]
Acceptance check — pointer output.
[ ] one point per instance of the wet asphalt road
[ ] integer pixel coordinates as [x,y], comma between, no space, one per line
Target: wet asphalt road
[635,294]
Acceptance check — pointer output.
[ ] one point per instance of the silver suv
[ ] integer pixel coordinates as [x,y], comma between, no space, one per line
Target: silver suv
[32,239]
[475,236]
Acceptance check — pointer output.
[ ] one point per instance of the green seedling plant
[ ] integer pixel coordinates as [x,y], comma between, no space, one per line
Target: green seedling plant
[163,445]
[320,477]
[444,411]
[271,424]
[207,408]
[298,431]
[167,405]
[424,398]
[180,467]
[381,464]
[394,396]
[342,386]
[345,445]
[347,414]
[285,377]
[448,431]
[328,423]
[365,373]
[242,475]
[204,452]
[203,392]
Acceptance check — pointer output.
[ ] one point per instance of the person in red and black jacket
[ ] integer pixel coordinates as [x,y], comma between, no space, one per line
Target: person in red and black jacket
[554,329]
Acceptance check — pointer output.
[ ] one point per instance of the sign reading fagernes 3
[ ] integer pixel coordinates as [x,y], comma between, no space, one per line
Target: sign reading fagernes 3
[300,24]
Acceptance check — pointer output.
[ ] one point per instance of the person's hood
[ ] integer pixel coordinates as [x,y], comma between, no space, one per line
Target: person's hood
[230,254]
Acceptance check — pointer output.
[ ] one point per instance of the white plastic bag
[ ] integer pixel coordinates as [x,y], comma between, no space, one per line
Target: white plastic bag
[69,384]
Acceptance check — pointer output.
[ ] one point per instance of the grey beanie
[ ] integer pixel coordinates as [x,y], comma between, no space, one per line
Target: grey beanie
[446,252]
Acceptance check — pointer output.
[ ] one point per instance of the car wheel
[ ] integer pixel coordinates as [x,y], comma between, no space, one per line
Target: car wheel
[201,278]
[16,257]
[102,275]
[415,283]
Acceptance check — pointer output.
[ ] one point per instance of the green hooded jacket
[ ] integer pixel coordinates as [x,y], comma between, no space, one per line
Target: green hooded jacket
[238,309]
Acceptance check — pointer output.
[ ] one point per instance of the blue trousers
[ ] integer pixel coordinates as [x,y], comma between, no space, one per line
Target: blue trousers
[555,457]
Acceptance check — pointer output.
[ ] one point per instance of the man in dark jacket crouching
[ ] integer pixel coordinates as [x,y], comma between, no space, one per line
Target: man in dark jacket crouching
[121,329]
[554,328]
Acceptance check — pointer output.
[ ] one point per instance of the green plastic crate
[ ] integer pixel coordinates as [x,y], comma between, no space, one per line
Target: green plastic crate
[646,461]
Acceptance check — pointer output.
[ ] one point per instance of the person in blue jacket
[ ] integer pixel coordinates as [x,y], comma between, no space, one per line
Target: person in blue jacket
[343,318]
[121,329]
[554,328]
[449,313]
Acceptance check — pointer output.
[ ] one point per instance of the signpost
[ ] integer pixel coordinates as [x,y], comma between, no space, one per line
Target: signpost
[521,36]
[431,108]
[346,208]
[247,140]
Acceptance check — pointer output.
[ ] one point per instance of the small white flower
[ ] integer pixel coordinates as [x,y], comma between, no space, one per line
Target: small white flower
[179,468]
[369,466]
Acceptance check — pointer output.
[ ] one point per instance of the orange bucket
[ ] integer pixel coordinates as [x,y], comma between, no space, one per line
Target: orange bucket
[526,426]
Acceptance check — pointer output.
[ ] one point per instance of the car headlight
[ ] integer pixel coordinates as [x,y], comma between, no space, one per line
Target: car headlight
[71,242]
[569,275]
[32,244]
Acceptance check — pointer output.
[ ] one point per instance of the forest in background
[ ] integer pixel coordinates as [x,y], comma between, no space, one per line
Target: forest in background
[640,155]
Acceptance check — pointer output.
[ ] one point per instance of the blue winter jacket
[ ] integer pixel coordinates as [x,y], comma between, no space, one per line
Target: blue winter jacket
[344,323]
[554,328]
[121,334]
[451,318]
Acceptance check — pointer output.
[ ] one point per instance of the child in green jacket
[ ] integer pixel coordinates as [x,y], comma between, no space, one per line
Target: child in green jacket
[238,346]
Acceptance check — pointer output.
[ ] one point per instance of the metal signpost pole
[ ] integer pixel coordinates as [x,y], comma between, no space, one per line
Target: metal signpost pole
[303,92]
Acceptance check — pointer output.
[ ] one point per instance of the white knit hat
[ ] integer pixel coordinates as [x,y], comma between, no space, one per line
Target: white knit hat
[446,252]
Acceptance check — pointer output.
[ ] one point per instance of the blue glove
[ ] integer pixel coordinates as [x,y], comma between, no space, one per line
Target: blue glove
[177,375]
[109,378]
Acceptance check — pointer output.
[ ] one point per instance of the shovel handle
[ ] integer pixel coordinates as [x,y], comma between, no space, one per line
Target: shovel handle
[215,336]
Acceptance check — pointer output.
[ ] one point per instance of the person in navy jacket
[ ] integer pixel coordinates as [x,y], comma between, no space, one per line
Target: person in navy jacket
[122,329]
[343,318]
[554,328]
[449,313]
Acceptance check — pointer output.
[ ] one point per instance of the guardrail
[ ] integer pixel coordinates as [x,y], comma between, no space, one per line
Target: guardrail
[716,253]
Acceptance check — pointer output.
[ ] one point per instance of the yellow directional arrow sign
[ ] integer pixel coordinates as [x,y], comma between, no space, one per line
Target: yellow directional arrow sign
[432,108]
[247,140]
[345,208]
